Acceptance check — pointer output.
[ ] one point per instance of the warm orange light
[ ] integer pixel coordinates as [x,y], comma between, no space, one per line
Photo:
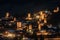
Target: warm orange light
[19,26]
[39,26]
[30,29]
[38,33]
[45,21]
[9,35]
[30,26]
[38,22]
[42,16]
[37,16]
[29,17]
[41,12]
[7,15]
[43,32]
[14,18]
[6,32]
[56,10]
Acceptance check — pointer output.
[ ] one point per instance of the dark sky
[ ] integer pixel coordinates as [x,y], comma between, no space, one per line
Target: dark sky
[21,7]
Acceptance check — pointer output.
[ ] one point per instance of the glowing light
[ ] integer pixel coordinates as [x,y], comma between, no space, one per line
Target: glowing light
[38,22]
[56,10]
[9,35]
[29,29]
[42,16]
[29,17]
[19,26]
[14,18]
[7,15]
[38,33]
[45,21]
[6,32]
[39,26]
[43,32]
[37,16]
[30,26]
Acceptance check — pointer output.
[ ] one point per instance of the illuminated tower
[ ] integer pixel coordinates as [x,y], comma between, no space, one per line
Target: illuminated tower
[43,16]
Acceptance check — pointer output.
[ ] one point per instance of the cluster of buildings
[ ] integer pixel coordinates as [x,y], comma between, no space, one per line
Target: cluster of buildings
[30,26]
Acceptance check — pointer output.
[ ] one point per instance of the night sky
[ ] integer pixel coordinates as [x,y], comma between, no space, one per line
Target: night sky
[19,8]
